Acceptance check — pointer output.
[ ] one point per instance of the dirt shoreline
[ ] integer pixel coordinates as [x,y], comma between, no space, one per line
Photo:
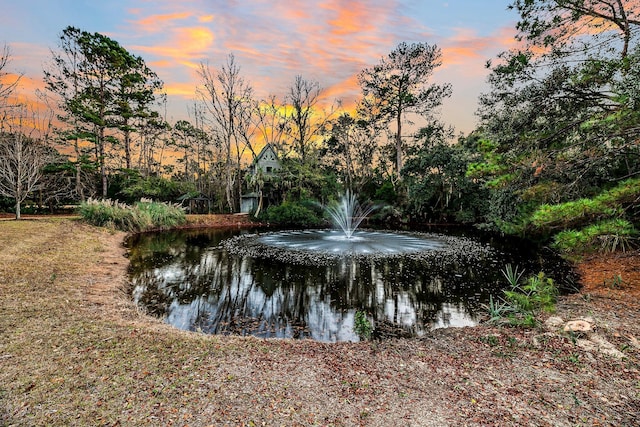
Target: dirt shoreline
[76,351]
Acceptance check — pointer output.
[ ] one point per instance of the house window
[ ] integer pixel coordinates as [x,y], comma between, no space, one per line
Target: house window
[269,169]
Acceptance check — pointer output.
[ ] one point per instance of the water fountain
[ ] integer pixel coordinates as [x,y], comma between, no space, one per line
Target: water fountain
[346,240]
[311,283]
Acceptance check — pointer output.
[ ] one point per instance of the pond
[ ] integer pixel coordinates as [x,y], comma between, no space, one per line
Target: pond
[195,282]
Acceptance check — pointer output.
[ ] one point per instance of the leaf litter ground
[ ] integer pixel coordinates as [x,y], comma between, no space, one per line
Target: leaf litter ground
[74,350]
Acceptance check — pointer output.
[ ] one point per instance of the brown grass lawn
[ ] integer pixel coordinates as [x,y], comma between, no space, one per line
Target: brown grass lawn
[75,351]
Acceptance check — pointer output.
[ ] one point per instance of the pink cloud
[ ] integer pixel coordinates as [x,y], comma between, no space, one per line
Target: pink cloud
[468,49]
[157,23]
[329,41]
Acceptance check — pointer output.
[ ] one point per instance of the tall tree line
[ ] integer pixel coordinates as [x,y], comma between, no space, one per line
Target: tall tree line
[107,103]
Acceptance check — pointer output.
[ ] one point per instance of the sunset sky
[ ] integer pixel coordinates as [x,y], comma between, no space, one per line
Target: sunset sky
[328,41]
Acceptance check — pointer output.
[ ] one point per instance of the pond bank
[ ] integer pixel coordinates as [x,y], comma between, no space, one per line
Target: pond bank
[76,351]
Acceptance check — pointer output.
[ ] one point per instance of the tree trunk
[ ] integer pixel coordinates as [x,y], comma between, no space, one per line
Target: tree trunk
[229,186]
[79,189]
[347,155]
[186,161]
[103,174]
[20,169]
[259,208]
[103,170]
[127,148]
[399,143]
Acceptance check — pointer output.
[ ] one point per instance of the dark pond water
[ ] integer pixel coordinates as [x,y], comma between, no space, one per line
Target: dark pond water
[191,281]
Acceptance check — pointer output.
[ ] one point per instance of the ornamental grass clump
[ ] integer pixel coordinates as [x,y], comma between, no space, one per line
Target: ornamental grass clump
[142,216]
[162,215]
[107,213]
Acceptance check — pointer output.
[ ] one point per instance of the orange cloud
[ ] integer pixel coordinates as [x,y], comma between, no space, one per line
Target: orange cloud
[351,18]
[30,85]
[195,38]
[188,47]
[186,90]
[206,19]
[347,91]
[162,63]
[8,79]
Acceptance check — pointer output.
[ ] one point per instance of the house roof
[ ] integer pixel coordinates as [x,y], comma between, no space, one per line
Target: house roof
[264,151]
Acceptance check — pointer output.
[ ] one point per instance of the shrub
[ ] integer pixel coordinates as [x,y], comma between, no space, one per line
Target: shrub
[293,214]
[522,303]
[386,214]
[386,193]
[158,188]
[362,326]
[144,215]
[537,295]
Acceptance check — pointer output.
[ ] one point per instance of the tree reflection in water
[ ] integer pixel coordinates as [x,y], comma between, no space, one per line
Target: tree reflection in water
[187,279]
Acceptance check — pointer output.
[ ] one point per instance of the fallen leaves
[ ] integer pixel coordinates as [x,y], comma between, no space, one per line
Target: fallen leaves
[76,352]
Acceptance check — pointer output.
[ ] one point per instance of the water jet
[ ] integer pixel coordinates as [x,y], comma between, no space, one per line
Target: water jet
[347,214]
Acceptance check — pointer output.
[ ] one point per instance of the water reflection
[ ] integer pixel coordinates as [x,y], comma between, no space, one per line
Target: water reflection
[187,279]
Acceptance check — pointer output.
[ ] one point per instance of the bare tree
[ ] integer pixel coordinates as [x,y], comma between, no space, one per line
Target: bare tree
[228,98]
[305,118]
[272,124]
[7,87]
[22,157]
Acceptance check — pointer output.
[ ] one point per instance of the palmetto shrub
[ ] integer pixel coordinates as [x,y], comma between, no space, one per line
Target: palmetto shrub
[525,301]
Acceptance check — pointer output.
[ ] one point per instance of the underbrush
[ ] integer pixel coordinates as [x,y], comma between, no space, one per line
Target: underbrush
[525,301]
[141,216]
[362,326]
[293,213]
